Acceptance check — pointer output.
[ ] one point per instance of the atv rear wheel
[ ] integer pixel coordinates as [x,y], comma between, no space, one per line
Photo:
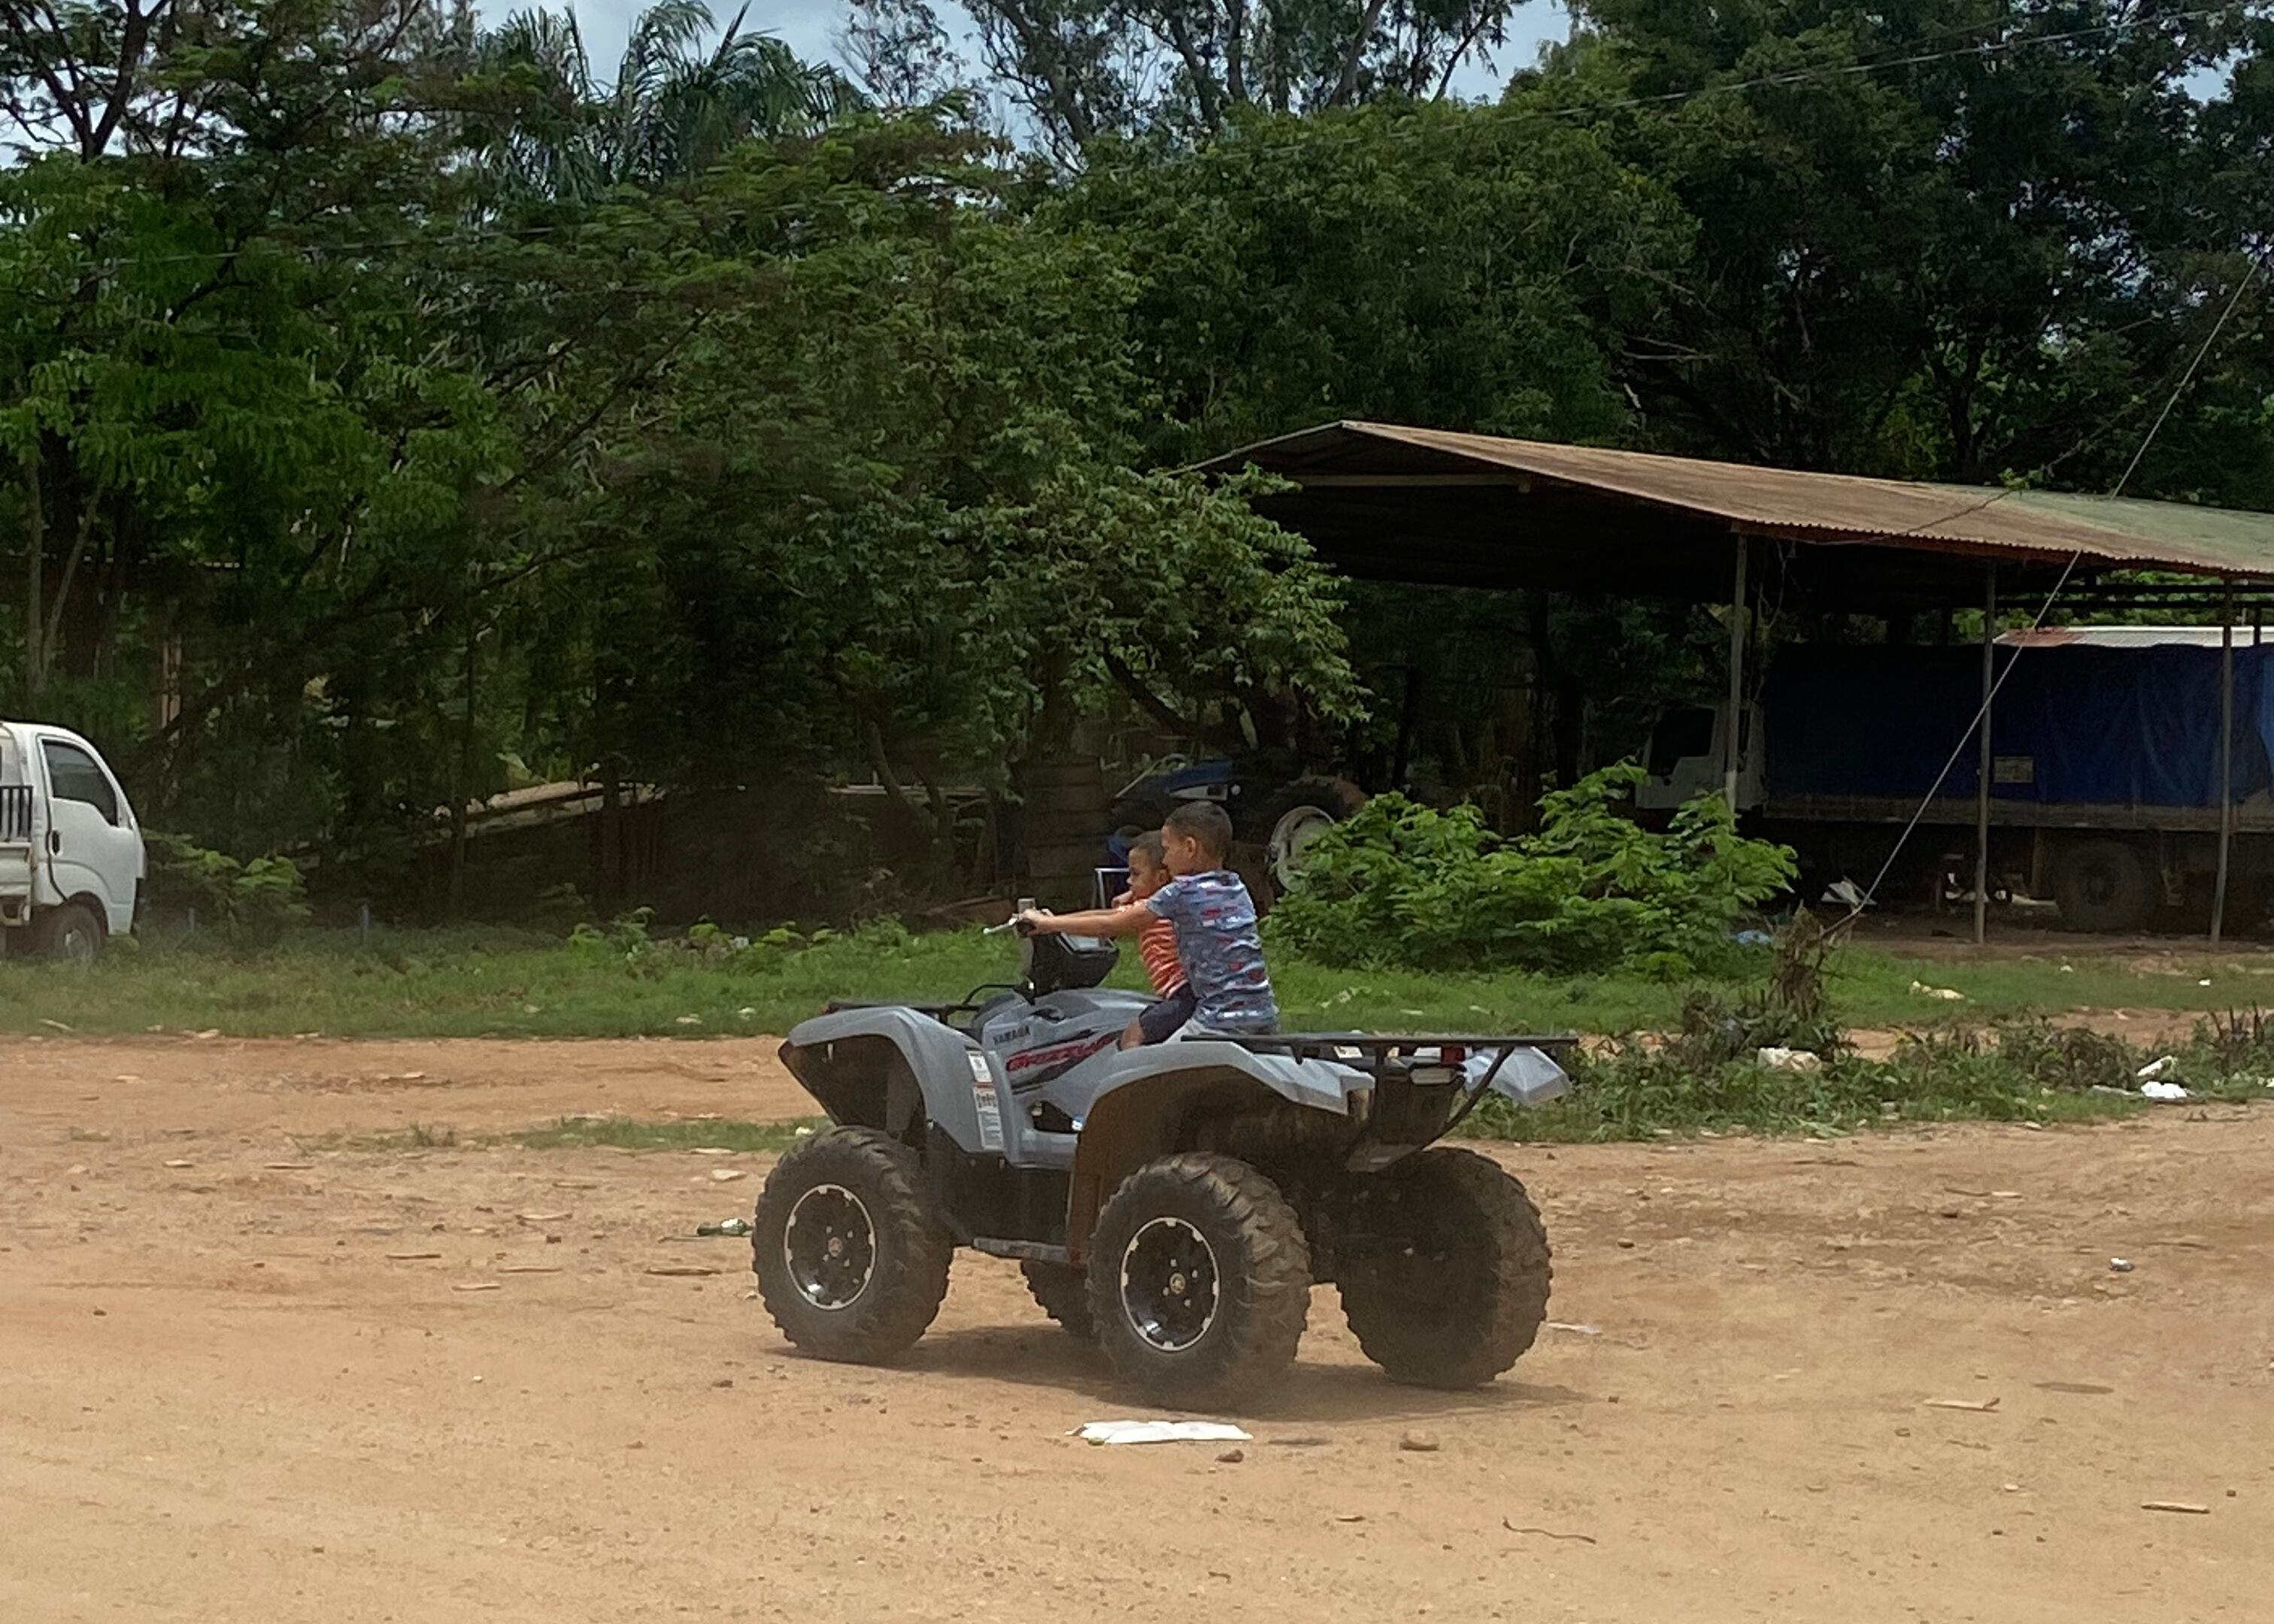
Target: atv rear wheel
[1445,1274]
[1062,1291]
[1200,1280]
[849,1250]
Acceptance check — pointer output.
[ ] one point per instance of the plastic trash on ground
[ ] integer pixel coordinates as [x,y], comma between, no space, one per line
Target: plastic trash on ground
[1790,1059]
[1947,993]
[2167,1092]
[1159,1433]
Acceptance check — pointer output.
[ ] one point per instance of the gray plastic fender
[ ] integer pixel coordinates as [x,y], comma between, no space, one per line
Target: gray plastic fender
[1318,1084]
[881,1066]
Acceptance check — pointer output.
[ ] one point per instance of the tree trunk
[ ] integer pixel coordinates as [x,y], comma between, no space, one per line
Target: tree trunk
[36,591]
[463,784]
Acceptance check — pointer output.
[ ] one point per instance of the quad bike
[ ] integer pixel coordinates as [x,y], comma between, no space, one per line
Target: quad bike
[1176,1202]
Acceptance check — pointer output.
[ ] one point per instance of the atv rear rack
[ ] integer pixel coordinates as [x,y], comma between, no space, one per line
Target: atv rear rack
[1392,1061]
[1378,1047]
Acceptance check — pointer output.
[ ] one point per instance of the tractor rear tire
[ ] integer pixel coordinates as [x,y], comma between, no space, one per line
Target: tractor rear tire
[1446,1281]
[1062,1291]
[850,1251]
[1200,1280]
[2104,885]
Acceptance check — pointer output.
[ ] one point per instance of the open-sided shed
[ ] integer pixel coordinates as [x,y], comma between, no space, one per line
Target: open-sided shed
[1386,502]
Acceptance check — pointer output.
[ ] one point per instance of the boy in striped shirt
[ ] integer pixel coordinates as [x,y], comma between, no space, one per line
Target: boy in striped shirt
[1157,945]
[1218,946]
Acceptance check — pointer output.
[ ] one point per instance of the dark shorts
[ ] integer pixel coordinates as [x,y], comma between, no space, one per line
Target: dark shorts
[1162,1017]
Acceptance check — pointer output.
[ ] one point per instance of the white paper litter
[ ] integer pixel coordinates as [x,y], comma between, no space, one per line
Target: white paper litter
[2155,1068]
[1159,1433]
[2162,1091]
[1778,1059]
[1949,995]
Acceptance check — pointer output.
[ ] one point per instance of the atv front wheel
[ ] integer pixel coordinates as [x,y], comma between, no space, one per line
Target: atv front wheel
[1445,1271]
[1200,1280]
[1062,1291]
[849,1250]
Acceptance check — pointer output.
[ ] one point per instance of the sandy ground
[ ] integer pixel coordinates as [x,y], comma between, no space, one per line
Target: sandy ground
[221,1399]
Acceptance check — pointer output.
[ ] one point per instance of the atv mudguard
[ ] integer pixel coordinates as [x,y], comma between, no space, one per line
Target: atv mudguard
[883,1066]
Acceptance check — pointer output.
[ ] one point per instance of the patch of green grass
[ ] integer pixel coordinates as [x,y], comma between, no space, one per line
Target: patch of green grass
[418,1136]
[518,984]
[585,1132]
[2025,1072]
[582,1132]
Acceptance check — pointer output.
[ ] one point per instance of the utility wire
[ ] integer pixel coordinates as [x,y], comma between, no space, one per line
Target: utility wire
[1981,716]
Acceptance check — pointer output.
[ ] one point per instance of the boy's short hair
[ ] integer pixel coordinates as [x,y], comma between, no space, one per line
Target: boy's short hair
[1205,822]
[1148,846]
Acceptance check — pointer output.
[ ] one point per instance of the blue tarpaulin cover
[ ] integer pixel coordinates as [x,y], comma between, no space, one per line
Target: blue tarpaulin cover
[2072,727]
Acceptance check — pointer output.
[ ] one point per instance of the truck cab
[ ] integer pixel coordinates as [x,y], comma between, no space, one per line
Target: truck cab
[1685,758]
[71,858]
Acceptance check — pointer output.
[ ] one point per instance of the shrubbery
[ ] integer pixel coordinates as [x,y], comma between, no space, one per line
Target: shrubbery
[1403,883]
[250,904]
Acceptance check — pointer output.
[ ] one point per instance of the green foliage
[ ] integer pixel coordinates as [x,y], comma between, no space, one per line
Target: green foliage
[418,414]
[251,904]
[1787,1008]
[1404,883]
[2029,1071]
[629,1133]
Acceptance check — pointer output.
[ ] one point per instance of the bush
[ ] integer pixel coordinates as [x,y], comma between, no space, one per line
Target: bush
[250,904]
[1406,884]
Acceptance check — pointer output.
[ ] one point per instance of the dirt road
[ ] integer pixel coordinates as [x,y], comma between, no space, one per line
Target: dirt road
[222,1398]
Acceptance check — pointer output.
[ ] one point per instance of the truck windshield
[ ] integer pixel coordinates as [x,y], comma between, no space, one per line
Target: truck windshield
[1680,736]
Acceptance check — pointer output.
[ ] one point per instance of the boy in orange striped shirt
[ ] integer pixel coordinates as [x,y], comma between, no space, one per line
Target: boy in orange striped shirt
[1157,945]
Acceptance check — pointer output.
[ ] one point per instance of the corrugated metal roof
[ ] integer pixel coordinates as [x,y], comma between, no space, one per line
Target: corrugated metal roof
[2130,637]
[1804,506]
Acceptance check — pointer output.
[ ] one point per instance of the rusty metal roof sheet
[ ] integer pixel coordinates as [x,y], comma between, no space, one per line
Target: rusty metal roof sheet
[1829,509]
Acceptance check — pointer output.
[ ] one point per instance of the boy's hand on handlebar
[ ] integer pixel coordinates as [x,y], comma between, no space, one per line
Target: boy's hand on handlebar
[1030,921]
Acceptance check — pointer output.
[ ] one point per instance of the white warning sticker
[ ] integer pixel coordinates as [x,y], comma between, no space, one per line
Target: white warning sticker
[985,1102]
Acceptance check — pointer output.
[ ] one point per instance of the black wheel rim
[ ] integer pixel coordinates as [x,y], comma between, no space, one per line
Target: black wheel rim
[1169,1285]
[830,1246]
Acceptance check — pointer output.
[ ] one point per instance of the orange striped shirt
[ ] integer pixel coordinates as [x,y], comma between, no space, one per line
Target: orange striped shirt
[1157,945]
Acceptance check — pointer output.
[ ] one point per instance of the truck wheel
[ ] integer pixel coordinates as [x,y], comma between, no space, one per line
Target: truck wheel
[849,1250]
[2104,885]
[1062,1291]
[1446,1270]
[1200,1280]
[71,932]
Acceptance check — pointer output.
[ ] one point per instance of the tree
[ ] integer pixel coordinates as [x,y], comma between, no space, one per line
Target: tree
[672,110]
[1078,70]
[1949,238]
[1454,267]
[230,454]
[848,498]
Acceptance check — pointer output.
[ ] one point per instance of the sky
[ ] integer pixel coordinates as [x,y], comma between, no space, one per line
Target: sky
[805,26]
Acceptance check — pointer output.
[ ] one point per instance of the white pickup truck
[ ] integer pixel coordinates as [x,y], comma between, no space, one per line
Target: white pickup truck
[70,852]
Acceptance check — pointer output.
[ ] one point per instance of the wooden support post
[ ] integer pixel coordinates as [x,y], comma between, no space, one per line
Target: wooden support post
[1735,724]
[1987,765]
[2225,762]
